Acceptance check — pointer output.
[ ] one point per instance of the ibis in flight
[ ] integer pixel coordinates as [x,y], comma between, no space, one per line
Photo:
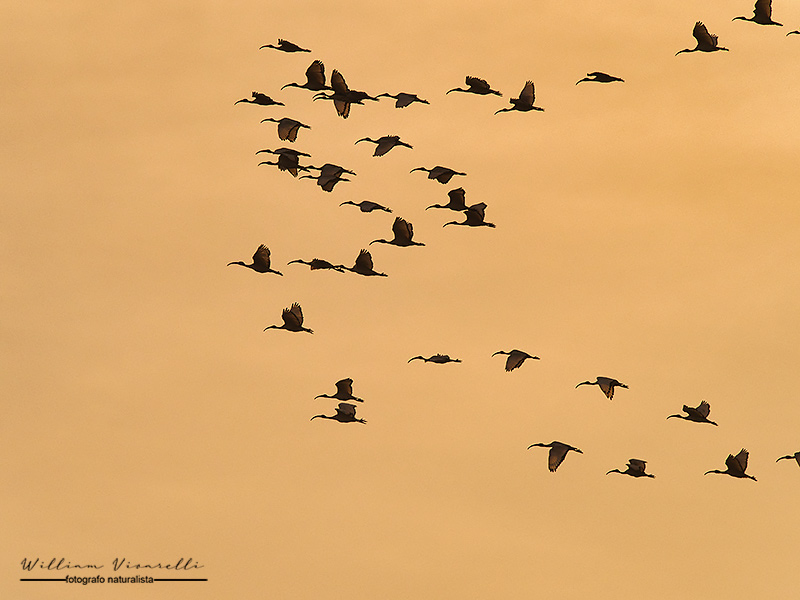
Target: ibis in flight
[403,234]
[735,466]
[606,384]
[317,263]
[439,173]
[403,99]
[363,265]
[439,359]
[475,217]
[699,414]
[599,77]
[315,78]
[345,413]
[762,14]
[292,320]
[476,85]
[367,206]
[525,101]
[557,454]
[457,201]
[261,262]
[635,468]
[706,42]
[515,358]
[261,99]
[385,143]
[285,46]
[287,128]
[344,391]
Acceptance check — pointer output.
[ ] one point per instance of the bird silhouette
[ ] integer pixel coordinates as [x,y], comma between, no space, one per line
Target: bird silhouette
[698,414]
[599,77]
[475,85]
[403,234]
[329,175]
[317,263]
[288,160]
[385,143]
[439,173]
[343,97]
[557,454]
[261,262]
[457,201]
[367,206]
[345,413]
[515,358]
[706,42]
[403,99]
[606,384]
[438,359]
[292,320]
[285,46]
[315,78]
[795,456]
[261,99]
[363,265]
[735,466]
[475,215]
[762,14]
[525,101]
[344,391]
[287,128]
[635,469]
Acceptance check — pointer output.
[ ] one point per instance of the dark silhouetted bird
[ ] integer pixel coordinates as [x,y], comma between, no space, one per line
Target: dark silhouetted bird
[475,85]
[525,101]
[440,174]
[735,466]
[762,14]
[292,320]
[706,42]
[343,97]
[599,77]
[635,469]
[329,175]
[475,215]
[288,160]
[606,384]
[457,201]
[367,206]
[385,143]
[261,99]
[285,46]
[363,265]
[287,128]
[315,78]
[557,454]
[344,391]
[698,414]
[438,359]
[795,456]
[515,358]
[261,262]
[403,99]
[317,263]
[345,413]
[403,234]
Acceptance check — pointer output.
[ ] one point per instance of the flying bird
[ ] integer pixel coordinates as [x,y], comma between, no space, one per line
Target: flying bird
[287,128]
[438,359]
[403,99]
[261,262]
[475,85]
[317,263]
[635,469]
[367,206]
[762,14]
[285,46]
[403,234]
[385,143]
[345,413]
[706,42]
[292,320]
[363,265]
[557,454]
[329,175]
[606,384]
[315,78]
[261,99]
[344,391]
[343,97]
[288,160]
[525,101]
[439,173]
[457,201]
[795,456]
[698,414]
[735,466]
[515,358]
[475,217]
[599,77]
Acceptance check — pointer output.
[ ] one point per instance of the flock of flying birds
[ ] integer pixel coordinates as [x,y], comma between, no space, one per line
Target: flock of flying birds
[328,175]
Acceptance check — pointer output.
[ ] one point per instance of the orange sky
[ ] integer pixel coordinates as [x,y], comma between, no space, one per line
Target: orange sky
[646,230]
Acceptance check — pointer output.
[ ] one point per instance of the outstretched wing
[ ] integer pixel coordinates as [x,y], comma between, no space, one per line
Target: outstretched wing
[344,387]
[704,409]
[261,258]
[527,95]
[478,83]
[315,74]
[293,317]
[763,8]
[458,198]
[636,465]
[364,261]
[402,229]
[346,410]
[556,456]
[704,39]
[338,83]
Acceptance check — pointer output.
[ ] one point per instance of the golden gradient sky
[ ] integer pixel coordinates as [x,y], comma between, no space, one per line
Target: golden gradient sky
[646,231]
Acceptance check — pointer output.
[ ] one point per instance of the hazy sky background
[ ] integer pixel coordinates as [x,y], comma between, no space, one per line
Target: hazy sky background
[646,231]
